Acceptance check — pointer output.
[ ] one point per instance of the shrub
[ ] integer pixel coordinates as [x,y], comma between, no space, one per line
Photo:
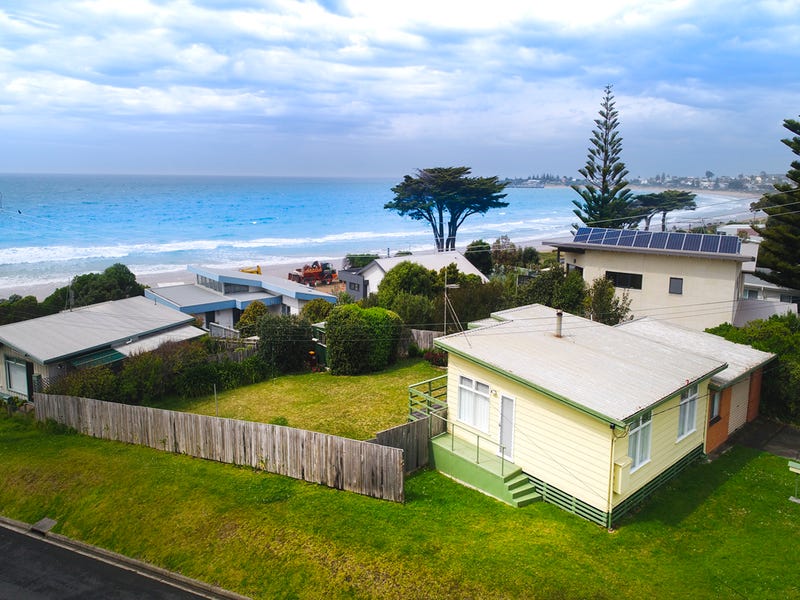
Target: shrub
[438,358]
[248,322]
[91,382]
[142,378]
[317,310]
[347,337]
[285,342]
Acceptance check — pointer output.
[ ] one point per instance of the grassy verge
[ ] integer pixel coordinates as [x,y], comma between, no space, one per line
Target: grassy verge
[724,529]
[350,406]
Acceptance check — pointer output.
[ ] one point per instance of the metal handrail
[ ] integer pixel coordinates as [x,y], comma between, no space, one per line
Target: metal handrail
[478,438]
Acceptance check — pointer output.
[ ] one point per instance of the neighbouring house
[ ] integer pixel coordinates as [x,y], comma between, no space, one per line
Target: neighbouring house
[735,393]
[220,295]
[769,297]
[590,417]
[360,283]
[38,350]
[692,279]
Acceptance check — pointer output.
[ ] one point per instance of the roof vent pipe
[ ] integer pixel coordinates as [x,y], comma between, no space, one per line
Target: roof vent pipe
[559,317]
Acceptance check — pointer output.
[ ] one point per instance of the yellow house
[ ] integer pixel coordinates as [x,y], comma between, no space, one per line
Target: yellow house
[591,417]
[691,279]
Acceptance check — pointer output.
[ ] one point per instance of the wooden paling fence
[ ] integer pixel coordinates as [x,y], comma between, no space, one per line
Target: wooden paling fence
[413,439]
[337,462]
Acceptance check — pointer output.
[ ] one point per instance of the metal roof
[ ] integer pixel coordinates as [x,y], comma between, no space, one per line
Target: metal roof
[274,285]
[187,332]
[741,359]
[193,298]
[89,328]
[435,262]
[601,370]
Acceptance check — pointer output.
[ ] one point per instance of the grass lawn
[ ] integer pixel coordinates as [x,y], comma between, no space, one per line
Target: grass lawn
[351,406]
[721,530]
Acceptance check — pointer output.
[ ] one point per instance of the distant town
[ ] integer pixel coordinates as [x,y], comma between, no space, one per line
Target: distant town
[762,182]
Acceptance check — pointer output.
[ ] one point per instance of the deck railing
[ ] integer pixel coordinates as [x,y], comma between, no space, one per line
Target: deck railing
[450,428]
[427,397]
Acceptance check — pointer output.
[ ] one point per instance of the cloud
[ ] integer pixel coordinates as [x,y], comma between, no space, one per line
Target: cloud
[511,77]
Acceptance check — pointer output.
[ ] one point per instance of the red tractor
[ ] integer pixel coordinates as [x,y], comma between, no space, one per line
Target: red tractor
[315,274]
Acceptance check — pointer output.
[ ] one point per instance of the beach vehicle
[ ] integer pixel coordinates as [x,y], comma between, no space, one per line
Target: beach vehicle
[314,274]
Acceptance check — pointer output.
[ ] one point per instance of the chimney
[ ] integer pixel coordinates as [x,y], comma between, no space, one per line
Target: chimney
[559,317]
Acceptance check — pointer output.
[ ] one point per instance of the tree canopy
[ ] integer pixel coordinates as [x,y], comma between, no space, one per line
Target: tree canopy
[444,197]
[605,199]
[780,247]
[647,206]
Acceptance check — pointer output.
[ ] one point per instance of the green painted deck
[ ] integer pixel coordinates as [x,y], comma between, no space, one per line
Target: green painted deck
[483,470]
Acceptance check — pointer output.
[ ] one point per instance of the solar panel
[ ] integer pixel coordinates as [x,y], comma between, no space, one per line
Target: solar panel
[642,239]
[596,235]
[612,237]
[626,237]
[675,241]
[729,244]
[710,243]
[582,234]
[692,242]
[659,240]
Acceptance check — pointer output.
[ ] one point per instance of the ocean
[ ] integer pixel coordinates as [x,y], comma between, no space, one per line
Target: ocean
[53,227]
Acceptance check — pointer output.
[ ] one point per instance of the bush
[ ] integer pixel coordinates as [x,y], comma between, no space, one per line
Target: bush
[285,342]
[91,382]
[347,337]
[142,379]
[438,358]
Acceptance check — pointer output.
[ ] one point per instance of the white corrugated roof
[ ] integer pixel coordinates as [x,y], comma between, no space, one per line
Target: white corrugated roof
[435,262]
[70,333]
[606,370]
[741,359]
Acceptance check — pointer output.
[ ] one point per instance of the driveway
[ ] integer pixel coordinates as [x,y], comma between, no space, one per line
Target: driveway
[770,436]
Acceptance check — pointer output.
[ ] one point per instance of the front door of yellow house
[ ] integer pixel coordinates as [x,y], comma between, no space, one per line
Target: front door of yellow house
[506,427]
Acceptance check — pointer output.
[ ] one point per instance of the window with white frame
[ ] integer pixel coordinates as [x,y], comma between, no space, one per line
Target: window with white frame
[639,440]
[473,403]
[17,376]
[687,414]
[715,404]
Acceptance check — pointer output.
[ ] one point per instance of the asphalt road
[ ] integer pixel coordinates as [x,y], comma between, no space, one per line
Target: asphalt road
[33,569]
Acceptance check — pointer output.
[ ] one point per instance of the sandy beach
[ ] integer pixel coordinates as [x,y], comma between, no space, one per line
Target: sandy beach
[41,291]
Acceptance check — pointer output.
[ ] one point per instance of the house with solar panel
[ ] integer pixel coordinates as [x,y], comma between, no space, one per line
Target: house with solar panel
[218,296]
[539,405]
[37,350]
[691,279]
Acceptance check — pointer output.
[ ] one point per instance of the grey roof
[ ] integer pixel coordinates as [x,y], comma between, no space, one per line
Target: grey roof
[741,359]
[435,262]
[604,371]
[71,333]
[275,285]
[194,295]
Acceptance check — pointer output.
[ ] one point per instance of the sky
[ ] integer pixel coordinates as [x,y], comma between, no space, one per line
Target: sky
[384,87]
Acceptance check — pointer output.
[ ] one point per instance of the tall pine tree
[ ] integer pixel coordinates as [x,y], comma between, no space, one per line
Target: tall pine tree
[779,251]
[605,198]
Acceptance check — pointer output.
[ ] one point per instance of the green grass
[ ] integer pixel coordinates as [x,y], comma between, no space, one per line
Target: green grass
[351,406]
[720,530]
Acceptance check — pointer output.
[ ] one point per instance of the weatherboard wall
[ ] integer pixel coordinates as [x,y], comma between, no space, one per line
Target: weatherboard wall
[710,286]
[665,448]
[573,451]
[552,441]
